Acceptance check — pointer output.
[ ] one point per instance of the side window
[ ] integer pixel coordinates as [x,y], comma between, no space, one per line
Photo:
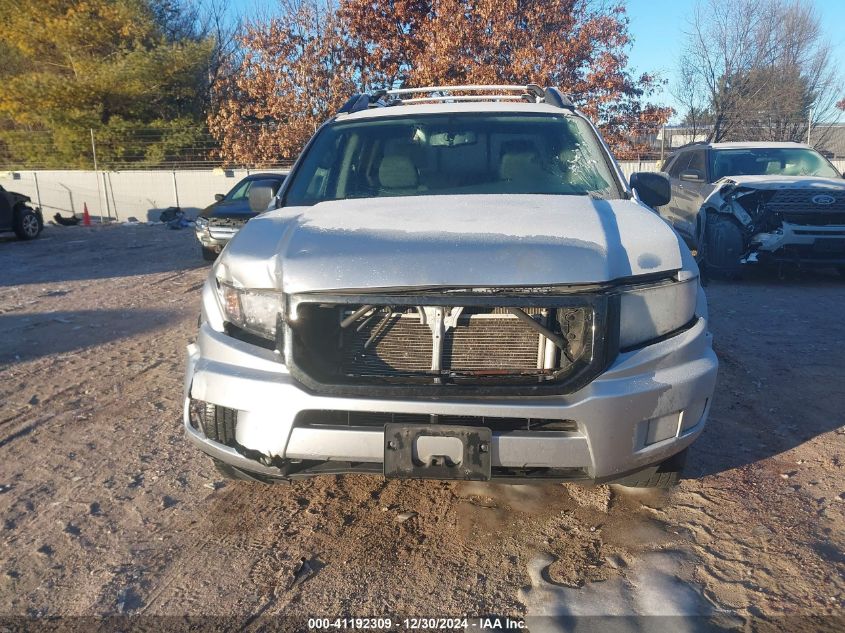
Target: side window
[240,191]
[680,164]
[698,162]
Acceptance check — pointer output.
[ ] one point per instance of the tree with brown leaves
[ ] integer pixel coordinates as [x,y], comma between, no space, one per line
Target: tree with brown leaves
[577,45]
[303,65]
[294,74]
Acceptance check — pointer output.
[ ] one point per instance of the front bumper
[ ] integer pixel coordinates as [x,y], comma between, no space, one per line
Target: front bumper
[650,404]
[801,244]
[216,237]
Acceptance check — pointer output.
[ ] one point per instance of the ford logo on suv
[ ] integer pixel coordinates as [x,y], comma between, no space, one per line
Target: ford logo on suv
[823,199]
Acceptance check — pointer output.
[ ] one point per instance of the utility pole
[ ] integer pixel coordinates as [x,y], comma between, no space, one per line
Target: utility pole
[175,189]
[662,143]
[37,189]
[809,125]
[97,174]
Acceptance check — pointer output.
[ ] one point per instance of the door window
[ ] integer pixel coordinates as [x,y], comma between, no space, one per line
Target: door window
[698,163]
[680,164]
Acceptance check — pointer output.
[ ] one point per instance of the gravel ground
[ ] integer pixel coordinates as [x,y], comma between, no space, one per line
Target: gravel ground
[107,511]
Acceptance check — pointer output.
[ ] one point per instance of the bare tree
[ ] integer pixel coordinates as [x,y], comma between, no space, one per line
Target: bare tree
[217,20]
[758,68]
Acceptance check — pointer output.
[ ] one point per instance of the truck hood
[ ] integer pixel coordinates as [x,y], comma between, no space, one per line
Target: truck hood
[450,241]
[784,182]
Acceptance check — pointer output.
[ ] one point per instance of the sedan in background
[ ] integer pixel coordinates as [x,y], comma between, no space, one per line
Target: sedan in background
[218,223]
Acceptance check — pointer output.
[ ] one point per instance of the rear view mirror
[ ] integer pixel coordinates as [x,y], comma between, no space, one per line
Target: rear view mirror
[219,197]
[260,195]
[452,139]
[653,188]
[691,175]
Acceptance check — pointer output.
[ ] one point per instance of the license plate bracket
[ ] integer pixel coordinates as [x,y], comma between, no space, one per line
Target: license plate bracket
[403,461]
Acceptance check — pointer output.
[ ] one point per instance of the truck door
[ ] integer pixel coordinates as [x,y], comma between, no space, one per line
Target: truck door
[693,187]
[5,210]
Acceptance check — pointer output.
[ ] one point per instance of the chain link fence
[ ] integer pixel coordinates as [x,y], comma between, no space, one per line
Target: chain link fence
[137,174]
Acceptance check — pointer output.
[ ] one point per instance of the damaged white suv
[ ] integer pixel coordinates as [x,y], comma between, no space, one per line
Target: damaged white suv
[454,283]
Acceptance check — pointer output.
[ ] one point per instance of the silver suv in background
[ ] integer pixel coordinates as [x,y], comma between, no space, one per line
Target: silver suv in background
[738,203]
[457,283]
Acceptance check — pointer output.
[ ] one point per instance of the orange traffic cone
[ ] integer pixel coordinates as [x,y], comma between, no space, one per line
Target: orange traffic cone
[86,217]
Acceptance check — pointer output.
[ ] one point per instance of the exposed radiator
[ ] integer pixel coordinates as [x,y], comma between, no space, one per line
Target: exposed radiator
[492,343]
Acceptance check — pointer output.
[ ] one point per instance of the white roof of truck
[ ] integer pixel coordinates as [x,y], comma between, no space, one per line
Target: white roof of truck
[492,98]
[455,107]
[759,145]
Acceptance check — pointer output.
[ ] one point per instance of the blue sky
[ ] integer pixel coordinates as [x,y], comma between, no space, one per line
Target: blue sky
[657,28]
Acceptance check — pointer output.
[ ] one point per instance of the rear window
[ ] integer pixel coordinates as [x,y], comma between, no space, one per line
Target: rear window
[453,154]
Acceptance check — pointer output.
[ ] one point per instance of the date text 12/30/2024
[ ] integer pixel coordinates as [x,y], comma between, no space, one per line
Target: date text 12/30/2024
[417,624]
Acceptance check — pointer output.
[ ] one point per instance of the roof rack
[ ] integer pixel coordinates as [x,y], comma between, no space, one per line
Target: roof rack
[531,93]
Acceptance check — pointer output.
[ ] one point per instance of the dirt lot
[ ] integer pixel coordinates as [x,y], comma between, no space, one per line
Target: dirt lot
[106,510]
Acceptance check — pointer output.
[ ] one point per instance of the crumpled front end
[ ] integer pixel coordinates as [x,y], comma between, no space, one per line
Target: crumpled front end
[801,222]
[215,232]
[570,345]
[585,383]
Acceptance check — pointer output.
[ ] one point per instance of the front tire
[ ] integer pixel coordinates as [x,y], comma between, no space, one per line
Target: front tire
[724,245]
[666,474]
[209,254]
[27,224]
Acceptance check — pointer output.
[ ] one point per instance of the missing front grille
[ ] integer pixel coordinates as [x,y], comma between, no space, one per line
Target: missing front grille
[490,343]
[380,345]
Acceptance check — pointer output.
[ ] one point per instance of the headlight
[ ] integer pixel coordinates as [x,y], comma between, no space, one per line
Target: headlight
[651,312]
[255,311]
[201,223]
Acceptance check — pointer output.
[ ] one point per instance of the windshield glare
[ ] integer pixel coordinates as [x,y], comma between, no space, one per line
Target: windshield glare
[453,154]
[769,162]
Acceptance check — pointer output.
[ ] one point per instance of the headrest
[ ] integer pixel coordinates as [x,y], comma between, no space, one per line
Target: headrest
[519,160]
[397,172]
[260,194]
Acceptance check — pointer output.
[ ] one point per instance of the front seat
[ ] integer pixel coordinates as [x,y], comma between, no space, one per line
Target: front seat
[519,162]
[397,175]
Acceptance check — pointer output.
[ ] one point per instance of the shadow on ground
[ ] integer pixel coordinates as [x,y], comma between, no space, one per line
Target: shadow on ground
[778,335]
[29,336]
[78,253]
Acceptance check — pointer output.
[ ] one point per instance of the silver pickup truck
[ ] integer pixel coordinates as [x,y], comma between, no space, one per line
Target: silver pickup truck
[454,283]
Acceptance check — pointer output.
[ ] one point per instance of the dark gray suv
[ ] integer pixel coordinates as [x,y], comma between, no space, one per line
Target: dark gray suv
[16,215]
[739,203]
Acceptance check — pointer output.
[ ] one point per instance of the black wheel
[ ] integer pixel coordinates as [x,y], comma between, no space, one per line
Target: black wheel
[209,254]
[27,224]
[723,246]
[665,475]
[219,423]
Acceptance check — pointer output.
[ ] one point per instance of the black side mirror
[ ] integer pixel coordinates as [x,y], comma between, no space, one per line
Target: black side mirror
[219,196]
[691,175]
[652,187]
[260,195]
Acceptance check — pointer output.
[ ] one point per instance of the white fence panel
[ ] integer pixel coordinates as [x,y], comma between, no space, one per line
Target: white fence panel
[628,167]
[142,194]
